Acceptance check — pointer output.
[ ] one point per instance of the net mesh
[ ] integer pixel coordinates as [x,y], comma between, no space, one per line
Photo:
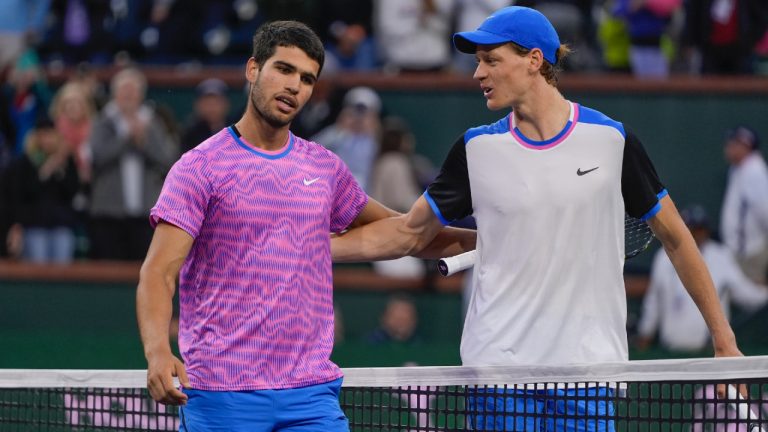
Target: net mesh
[672,395]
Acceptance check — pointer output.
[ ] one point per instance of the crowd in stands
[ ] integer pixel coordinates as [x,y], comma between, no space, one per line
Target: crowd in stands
[651,38]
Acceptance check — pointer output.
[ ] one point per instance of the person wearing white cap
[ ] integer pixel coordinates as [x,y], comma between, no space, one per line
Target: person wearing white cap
[667,308]
[549,185]
[355,133]
[744,215]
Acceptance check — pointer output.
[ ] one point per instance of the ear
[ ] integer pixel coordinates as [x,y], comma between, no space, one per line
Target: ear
[251,70]
[536,59]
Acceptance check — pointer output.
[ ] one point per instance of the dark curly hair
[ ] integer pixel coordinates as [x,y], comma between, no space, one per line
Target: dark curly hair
[286,34]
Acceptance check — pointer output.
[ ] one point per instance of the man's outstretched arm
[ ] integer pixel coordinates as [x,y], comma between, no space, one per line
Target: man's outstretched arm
[379,234]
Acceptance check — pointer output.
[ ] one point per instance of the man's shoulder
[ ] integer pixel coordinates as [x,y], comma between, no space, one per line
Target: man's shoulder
[500,126]
[592,116]
[313,149]
[754,165]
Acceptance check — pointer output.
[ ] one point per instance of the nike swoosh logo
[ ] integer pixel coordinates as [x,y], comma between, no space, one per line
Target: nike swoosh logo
[579,172]
[309,182]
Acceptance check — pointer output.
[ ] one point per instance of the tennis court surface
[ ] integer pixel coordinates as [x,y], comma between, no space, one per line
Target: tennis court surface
[656,395]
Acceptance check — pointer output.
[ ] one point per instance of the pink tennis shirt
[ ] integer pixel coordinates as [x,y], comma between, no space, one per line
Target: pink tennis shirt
[255,291]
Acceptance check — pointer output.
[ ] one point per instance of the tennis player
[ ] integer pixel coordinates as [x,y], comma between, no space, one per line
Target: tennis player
[549,185]
[243,221]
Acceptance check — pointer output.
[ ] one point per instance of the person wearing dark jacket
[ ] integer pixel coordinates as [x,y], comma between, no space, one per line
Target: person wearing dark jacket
[41,184]
[211,113]
[725,33]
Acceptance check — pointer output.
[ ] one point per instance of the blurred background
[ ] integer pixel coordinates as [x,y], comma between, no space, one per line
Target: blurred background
[688,76]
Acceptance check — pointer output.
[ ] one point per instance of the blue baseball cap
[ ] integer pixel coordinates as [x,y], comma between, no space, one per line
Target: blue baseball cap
[524,26]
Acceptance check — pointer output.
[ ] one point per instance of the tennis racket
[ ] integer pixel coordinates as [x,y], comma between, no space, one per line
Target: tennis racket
[637,237]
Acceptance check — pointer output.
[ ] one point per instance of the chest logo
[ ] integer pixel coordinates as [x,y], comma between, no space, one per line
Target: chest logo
[309,182]
[579,172]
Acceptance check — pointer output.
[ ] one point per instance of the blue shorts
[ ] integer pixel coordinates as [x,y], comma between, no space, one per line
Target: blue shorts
[542,410]
[312,408]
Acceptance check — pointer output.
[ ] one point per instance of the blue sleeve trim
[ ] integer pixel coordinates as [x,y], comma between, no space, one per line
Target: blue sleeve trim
[652,212]
[588,115]
[433,204]
[500,127]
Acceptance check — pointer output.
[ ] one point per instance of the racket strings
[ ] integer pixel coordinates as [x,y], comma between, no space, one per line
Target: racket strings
[637,236]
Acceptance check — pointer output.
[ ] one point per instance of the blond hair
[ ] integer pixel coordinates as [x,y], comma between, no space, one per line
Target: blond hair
[71,90]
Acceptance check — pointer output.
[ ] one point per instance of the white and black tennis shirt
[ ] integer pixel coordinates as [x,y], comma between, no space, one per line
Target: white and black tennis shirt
[548,286]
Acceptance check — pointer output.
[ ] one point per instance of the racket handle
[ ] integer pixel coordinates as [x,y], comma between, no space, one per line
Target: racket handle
[450,265]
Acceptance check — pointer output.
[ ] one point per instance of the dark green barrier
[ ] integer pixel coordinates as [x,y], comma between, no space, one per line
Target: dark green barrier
[93,326]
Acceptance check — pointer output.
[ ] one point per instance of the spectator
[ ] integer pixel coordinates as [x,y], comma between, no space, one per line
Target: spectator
[354,135]
[647,22]
[398,322]
[351,48]
[7,128]
[668,308]
[723,33]
[28,96]
[183,31]
[317,113]
[211,113]
[132,151]
[6,219]
[395,179]
[613,38]
[744,216]
[413,35]
[91,84]
[41,185]
[349,12]
[80,31]
[22,23]
[573,21]
[470,14]
[73,111]
[395,182]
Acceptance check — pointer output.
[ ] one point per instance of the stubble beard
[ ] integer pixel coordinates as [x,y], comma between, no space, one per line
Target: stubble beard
[259,105]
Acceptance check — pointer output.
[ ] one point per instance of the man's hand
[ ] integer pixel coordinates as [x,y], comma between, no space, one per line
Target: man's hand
[725,346]
[160,373]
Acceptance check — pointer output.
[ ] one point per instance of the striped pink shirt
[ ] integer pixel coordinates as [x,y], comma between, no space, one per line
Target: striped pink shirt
[256,289]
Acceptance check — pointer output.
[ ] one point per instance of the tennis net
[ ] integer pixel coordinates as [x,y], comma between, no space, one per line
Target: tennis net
[655,395]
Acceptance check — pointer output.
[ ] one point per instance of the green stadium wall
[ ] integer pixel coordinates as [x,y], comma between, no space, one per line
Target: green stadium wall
[65,325]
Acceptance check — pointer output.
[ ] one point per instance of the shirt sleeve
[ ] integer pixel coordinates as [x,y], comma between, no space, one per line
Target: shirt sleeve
[640,185]
[349,199]
[185,195]
[449,195]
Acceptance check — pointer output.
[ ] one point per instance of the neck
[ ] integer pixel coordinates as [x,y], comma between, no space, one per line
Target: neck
[260,134]
[542,113]
[743,158]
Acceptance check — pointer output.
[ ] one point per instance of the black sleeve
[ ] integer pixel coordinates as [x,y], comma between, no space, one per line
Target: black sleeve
[450,192]
[640,185]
